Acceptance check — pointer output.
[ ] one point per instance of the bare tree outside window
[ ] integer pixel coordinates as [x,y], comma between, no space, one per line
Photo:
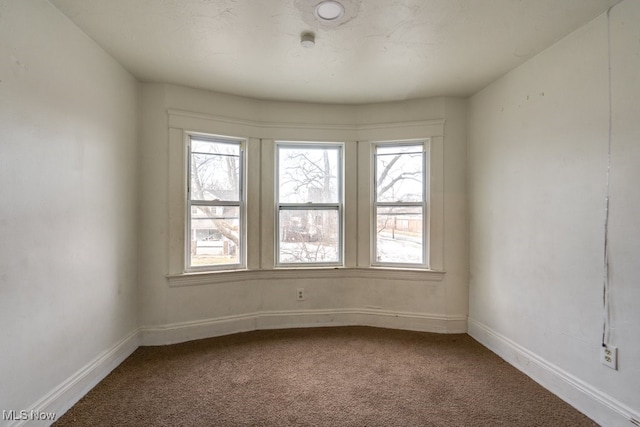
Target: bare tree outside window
[399,204]
[215,202]
[309,203]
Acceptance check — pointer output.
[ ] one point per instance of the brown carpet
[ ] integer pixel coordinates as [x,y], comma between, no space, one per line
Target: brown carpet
[347,376]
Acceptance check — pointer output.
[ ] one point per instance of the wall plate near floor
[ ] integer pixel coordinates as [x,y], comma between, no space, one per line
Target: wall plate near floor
[609,356]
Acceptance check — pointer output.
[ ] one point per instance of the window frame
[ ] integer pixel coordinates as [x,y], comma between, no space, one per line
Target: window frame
[425,143]
[338,206]
[259,162]
[241,203]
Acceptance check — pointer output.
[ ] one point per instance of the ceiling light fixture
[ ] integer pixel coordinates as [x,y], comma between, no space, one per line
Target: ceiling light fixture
[327,13]
[329,10]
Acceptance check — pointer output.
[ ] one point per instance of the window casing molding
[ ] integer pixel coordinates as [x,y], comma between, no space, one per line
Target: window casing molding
[433,132]
[221,277]
[260,209]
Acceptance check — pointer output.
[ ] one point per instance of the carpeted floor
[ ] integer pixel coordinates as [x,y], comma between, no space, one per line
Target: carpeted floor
[347,376]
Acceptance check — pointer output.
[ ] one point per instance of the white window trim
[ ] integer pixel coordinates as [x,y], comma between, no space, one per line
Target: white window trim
[433,131]
[339,206]
[426,144]
[242,234]
[260,220]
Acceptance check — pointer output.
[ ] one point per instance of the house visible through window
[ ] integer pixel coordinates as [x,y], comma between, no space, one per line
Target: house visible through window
[215,203]
[400,204]
[309,203]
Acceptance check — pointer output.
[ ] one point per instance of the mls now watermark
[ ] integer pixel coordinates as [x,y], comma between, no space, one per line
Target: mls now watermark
[25,415]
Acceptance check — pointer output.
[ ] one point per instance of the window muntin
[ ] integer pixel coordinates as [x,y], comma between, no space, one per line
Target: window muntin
[309,192]
[400,204]
[215,203]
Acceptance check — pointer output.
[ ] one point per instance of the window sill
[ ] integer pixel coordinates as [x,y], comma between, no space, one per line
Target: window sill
[229,276]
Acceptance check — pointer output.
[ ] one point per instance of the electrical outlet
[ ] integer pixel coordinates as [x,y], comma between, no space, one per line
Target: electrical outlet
[609,356]
[300,294]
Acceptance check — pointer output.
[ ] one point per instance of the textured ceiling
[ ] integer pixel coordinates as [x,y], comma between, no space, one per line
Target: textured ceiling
[389,50]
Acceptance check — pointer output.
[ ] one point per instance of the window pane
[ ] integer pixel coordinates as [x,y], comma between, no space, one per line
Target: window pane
[215,235]
[309,235]
[215,171]
[399,174]
[308,174]
[399,235]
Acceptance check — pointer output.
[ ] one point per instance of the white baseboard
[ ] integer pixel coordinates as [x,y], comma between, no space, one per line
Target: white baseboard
[63,397]
[362,317]
[187,331]
[597,405]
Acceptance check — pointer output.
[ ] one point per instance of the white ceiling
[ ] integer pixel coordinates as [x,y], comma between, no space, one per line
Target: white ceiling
[390,50]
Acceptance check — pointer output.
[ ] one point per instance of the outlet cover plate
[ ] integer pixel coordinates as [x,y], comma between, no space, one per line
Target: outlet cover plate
[609,356]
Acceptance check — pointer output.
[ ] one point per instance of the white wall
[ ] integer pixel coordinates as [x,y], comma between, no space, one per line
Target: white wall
[68,208]
[213,305]
[538,143]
